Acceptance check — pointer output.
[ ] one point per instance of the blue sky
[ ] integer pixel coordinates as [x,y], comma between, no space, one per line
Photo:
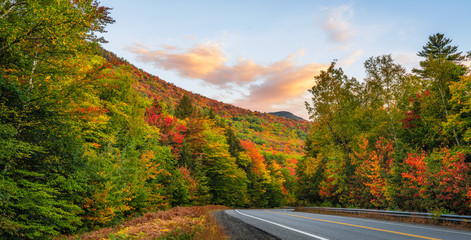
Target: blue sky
[263,55]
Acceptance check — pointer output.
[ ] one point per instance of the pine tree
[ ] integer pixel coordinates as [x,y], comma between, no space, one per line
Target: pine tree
[184,108]
[438,47]
[234,142]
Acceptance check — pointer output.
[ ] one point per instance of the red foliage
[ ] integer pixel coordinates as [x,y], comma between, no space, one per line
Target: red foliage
[413,114]
[454,182]
[172,132]
[418,175]
[449,186]
[408,121]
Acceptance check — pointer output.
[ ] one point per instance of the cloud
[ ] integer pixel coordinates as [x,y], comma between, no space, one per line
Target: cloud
[266,86]
[245,71]
[169,47]
[197,62]
[337,25]
[285,86]
[408,60]
[351,58]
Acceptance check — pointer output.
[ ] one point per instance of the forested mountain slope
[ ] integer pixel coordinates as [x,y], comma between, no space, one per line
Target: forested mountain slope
[286,114]
[271,132]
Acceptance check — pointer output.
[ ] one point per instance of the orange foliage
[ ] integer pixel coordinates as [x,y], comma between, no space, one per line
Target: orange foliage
[373,167]
[418,175]
[258,162]
[190,182]
[195,221]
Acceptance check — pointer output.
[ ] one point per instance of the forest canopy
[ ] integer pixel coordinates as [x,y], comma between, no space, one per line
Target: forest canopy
[395,140]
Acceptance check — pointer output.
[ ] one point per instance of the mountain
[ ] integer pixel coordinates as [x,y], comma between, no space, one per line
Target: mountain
[286,114]
[280,132]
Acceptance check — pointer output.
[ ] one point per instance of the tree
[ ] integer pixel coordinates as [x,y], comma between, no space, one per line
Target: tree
[334,100]
[334,109]
[42,45]
[438,48]
[460,121]
[233,141]
[184,108]
[441,67]
[373,173]
[228,183]
[382,94]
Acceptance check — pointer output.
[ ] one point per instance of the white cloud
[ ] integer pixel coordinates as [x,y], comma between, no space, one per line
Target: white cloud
[338,25]
[408,60]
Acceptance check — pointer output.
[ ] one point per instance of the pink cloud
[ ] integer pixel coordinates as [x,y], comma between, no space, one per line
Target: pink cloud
[284,85]
[351,58]
[245,71]
[197,62]
[272,85]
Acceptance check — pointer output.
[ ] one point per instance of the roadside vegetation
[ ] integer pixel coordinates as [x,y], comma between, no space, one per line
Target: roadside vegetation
[176,223]
[395,140]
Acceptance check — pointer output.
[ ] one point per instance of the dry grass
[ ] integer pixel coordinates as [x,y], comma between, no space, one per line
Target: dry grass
[176,223]
[462,225]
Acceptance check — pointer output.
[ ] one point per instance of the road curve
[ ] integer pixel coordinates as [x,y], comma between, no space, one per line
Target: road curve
[287,224]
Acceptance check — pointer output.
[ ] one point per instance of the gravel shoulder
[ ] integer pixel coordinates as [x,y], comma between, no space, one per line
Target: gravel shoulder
[238,230]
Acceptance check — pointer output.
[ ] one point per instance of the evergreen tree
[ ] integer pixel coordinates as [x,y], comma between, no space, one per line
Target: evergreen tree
[184,108]
[234,143]
[438,47]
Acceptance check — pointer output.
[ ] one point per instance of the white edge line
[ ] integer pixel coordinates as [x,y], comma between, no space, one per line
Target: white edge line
[283,226]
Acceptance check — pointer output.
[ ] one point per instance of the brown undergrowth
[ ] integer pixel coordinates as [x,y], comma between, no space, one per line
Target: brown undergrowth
[417,220]
[178,223]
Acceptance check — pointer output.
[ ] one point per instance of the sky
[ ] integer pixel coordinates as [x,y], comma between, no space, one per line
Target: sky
[263,55]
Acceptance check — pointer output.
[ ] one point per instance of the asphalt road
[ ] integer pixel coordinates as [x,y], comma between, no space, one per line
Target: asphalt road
[287,224]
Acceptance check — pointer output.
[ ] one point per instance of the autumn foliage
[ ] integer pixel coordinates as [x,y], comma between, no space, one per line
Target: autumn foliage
[89,141]
[179,223]
[394,141]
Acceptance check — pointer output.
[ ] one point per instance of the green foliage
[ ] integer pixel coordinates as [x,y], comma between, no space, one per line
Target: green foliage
[438,48]
[227,182]
[233,142]
[184,108]
[459,121]
[395,141]
[32,209]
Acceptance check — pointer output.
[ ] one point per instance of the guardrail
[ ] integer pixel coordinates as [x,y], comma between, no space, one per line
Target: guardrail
[444,217]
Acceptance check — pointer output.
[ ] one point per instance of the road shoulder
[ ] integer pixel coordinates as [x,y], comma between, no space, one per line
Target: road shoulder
[238,230]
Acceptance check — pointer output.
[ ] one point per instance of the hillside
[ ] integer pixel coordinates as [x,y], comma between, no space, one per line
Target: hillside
[286,114]
[280,132]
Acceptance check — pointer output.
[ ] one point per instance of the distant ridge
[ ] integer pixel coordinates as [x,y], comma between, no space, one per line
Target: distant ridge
[286,114]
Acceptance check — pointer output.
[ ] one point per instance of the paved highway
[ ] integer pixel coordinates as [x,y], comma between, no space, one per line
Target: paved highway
[287,224]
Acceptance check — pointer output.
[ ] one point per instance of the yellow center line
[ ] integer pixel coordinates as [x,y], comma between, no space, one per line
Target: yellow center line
[358,226]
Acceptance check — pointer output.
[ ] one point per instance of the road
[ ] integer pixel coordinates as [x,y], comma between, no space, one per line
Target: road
[287,224]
